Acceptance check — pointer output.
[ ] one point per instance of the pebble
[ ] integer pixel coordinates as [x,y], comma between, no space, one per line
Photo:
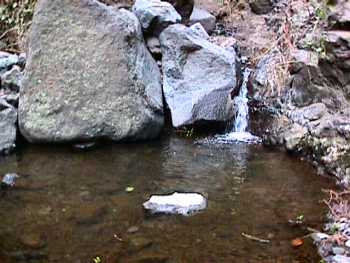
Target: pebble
[90,214]
[133,229]
[139,243]
[32,240]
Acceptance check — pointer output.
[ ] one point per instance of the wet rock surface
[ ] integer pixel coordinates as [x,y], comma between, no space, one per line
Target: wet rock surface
[112,92]
[198,77]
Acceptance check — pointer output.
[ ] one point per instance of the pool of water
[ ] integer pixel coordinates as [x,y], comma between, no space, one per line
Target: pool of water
[71,206]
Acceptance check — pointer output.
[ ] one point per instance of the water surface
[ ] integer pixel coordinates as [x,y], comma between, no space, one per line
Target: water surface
[71,206]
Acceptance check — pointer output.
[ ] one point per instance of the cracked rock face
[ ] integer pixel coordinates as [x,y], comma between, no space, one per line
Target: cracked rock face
[89,76]
[198,77]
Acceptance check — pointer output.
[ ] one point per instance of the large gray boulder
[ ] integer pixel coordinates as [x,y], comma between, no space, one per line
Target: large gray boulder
[89,76]
[198,77]
[8,127]
[155,15]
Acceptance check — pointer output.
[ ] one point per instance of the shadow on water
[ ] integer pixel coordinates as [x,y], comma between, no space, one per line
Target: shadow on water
[71,206]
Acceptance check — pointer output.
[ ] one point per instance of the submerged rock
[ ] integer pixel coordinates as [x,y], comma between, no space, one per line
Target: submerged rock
[9,180]
[155,15]
[176,203]
[94,79]
[198,77]
[203,17]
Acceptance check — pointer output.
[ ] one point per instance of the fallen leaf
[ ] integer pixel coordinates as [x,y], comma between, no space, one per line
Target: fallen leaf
[129,189]
[297,242]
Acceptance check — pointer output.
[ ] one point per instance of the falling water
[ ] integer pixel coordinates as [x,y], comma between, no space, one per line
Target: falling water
[239,131]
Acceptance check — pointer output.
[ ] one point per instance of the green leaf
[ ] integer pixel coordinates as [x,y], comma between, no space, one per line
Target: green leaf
[129,189]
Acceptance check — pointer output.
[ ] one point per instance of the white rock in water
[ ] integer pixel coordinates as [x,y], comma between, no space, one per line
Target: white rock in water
[10,179]
[177,203]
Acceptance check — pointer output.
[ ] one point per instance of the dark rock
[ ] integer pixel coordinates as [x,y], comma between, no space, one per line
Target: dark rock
[183,7]
[207,20]
[99,83]
[155,15]
[198,77]
[261,6]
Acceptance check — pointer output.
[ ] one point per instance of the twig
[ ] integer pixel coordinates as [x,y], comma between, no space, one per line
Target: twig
[255,238]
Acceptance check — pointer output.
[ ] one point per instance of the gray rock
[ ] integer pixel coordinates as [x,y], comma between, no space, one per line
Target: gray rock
[12,79]
[7,60]
[99,83]
[293,136]
[310,113]
[202,16]
[199,30]
[198,77]
[155,15]
[8,129]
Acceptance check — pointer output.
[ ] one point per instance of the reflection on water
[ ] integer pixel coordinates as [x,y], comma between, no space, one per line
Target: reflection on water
[71,206]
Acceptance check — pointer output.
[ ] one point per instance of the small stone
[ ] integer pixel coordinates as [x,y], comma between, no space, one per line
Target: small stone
[84,146]
[347,243]
[45,211]
[32,240]
[133,229]
[139,243]
[90,214]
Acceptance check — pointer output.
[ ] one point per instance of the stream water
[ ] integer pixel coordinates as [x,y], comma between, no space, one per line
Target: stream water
[72,206]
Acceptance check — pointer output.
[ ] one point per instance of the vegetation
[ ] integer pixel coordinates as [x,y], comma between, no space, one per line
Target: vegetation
[15,19]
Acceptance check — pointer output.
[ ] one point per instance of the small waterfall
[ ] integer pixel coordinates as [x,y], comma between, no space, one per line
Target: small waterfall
[239,131]
[241,105]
